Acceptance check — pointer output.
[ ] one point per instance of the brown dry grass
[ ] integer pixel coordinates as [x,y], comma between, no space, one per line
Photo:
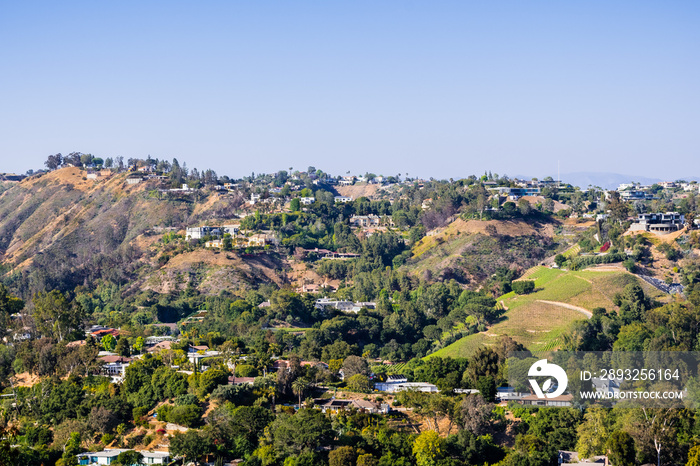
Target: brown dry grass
[26,379]
[358,190]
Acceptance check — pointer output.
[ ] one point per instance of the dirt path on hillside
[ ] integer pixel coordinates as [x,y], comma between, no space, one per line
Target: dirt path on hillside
[583,311]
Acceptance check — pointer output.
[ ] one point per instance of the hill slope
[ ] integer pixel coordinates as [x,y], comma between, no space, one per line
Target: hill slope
[471,251]
[60,230]
[538,319]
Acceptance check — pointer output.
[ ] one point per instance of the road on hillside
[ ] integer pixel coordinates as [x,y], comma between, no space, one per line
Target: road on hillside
[583,311]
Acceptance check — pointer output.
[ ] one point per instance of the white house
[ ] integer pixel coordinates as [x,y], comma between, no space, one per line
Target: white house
[390,387]
[110,456]
[307,200]
[343,199]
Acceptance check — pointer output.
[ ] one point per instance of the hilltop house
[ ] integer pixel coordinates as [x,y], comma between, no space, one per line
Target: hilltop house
[658,222]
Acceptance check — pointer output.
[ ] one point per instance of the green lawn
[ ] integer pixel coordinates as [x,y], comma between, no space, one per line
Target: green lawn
[539,325]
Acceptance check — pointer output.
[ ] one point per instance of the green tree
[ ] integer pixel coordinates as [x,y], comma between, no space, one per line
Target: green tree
[429,448]
[308,429]
[211,379]
[295,205]
[129,458]
[55,316]
[593,433]
[299,386]
[122,348]
[191,444]
[227,243]
[359,383]
[108,342]
[342,456]
[620,447]
[138,344]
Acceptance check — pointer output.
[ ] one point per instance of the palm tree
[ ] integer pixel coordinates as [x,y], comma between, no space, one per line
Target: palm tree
[299,386]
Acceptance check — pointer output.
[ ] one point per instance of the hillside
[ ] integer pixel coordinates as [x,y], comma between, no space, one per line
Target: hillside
[61,230]
[472,251]
[538,320]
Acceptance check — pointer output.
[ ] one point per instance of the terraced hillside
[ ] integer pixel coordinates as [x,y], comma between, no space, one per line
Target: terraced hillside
[537,320]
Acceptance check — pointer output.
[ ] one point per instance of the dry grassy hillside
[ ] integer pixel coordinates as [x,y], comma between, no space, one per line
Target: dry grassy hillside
[60,230]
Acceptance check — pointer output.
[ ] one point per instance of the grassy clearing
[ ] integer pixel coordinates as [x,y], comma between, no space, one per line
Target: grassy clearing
[538,325]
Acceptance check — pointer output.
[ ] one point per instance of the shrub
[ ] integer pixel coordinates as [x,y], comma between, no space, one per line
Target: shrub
[523,286]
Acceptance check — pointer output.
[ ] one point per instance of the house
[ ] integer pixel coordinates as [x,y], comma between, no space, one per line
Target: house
[534,400]
[635,195]
[659,222]
[115,367]
[133,180]
[254,198]
[337,405]
[307,200]
[515,193]
[401,386]
[198,232]
[365,221]
[260,240]
[110,456]
[342,199]
[343,305]
[98,332]
[215,243]
[241,380]
[571,458]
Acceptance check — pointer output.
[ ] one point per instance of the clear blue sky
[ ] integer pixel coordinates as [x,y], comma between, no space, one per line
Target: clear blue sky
[439,88]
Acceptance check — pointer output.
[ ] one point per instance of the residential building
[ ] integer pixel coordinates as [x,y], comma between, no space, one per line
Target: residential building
[337,405]
[307,200]
[343,305]
[115,367]
[534,400]
[571,458]
[515,193]
[342,199]
[398,387]
[216,232]
[215,243]
[109,456]
[635,195]
[133,180]
[659,222]
[365,221]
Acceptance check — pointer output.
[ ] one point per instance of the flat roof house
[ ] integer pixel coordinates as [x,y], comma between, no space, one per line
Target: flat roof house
[658,222]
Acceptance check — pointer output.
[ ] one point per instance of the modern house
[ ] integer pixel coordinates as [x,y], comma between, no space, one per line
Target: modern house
[110,456]
[307,200]
[342,199]
[635,195]
[216,232]
[343,305]
[658,222]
